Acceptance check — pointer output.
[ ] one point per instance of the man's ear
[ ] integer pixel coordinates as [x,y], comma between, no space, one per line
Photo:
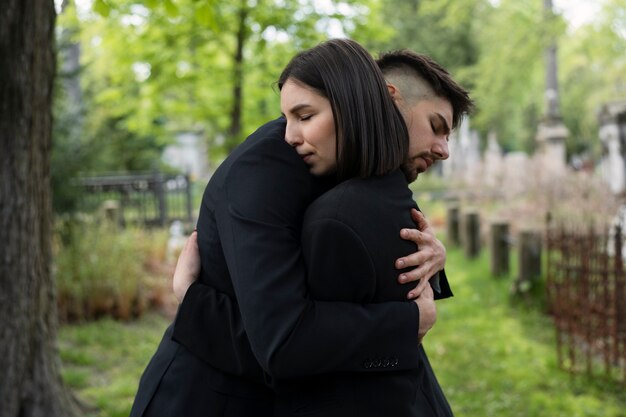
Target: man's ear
[394,92]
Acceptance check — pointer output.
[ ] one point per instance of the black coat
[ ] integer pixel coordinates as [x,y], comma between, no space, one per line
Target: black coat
[350,241]
[250,318]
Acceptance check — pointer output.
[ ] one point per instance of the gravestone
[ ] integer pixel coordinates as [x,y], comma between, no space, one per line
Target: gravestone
[612,122]
[189,154]
[465,156]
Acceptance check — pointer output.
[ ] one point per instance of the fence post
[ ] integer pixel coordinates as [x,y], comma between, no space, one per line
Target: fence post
[452,225]
[619,335]
[471,234]
[159,190]
[499,248]
[529,261]
[188,195]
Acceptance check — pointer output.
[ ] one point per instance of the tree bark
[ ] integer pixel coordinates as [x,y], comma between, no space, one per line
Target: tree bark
[31,384]
[234,130]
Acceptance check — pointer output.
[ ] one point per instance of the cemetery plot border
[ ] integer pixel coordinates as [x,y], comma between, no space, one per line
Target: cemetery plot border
[586,295]
[149,199]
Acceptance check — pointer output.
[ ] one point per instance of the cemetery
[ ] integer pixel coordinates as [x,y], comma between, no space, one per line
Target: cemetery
[117,113]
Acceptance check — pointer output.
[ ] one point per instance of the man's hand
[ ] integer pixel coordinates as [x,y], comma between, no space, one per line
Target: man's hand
[429,259]
[428,311]
[187,267]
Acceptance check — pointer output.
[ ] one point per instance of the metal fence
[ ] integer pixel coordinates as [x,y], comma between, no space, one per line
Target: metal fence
[149,199]
[586,296]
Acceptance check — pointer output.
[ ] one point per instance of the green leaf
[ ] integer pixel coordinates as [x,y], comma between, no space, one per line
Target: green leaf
[206,17]
[102,7]
[171,9]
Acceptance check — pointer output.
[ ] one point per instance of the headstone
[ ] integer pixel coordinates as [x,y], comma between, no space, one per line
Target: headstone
[189,154]
[111,211]
[612,122]
[492,161]
[465,157]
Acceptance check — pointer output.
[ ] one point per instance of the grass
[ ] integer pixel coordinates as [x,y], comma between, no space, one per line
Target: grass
[493,357]
[103,361]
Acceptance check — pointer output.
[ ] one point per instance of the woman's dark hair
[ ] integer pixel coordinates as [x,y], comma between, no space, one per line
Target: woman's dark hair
[372,138]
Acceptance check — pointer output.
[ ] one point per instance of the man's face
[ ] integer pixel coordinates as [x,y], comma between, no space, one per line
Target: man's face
[429,123]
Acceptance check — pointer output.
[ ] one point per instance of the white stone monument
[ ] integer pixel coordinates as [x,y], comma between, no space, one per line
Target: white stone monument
[189,154]
[612,123]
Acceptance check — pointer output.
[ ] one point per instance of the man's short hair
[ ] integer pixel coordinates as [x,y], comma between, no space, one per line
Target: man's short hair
[418,76]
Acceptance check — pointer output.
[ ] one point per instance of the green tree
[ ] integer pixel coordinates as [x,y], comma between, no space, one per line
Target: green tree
[442,29]
[154,68]
[593,67]
[508,78]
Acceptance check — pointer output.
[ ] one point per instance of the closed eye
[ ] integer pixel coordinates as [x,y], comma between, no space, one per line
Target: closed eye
[439,125]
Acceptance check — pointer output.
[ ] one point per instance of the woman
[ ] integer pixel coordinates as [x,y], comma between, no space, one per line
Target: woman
[249,242]
[355,223]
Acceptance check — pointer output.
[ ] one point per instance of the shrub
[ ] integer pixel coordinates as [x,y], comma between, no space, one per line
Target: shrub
[101,269]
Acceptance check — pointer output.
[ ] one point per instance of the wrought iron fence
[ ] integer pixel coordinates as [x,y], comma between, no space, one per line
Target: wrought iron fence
[150,199]
[586,296]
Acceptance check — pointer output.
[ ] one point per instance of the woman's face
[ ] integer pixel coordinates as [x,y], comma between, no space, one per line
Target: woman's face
[310,127]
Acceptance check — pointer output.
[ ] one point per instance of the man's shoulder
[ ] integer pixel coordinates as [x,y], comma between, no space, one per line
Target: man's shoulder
[356,198]
[264,150]
[373,190]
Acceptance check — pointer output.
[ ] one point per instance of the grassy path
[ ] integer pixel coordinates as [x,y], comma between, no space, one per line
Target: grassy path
[497,358]
[492,358]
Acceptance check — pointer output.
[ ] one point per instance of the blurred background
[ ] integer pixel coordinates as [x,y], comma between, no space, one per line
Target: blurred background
[151,95]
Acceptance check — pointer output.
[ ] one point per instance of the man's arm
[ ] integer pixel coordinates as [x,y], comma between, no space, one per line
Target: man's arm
[260,235]
[429,259]
[259,215]
[235,356]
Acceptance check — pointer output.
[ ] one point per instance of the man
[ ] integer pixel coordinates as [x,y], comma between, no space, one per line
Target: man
[209,324]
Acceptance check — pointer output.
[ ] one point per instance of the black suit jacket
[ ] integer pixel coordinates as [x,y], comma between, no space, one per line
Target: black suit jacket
[350,240]
[251,313]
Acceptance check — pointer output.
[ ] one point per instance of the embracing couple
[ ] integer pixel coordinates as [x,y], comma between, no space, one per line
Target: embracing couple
[298,292]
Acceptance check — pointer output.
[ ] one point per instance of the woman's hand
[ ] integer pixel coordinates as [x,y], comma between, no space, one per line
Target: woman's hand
[428,312]
[187,267]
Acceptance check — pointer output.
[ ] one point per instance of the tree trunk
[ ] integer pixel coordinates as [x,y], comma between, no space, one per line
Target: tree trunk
[30,384]
[234,131]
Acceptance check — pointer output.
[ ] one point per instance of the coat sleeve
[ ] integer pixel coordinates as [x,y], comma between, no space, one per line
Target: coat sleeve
[290,334]
[208,323]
